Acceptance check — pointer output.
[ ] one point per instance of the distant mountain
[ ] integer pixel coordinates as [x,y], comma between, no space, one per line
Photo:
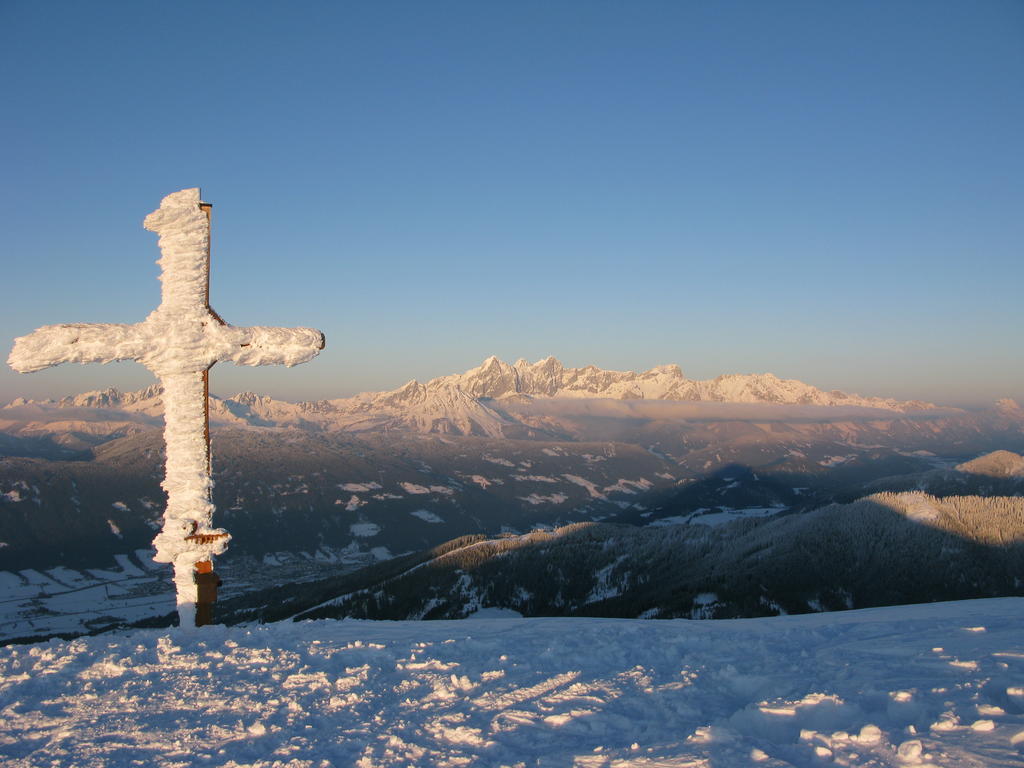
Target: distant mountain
[549,378]
[488,400]
[105,398]
[336,484]
[995,464]
[482,400]
[1010,407]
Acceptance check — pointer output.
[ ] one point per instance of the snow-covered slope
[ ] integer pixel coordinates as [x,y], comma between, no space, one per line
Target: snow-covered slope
[939,684]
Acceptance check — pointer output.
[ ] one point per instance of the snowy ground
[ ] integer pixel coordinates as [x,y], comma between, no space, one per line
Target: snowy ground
[939,684]
[722,516]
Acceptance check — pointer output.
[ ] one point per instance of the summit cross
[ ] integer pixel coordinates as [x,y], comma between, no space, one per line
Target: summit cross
[179,342]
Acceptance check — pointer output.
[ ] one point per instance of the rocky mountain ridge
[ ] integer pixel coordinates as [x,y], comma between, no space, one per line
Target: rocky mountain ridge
[550,378]
[470,403]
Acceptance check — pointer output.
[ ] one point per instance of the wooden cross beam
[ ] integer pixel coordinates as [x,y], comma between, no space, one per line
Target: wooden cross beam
[179,342]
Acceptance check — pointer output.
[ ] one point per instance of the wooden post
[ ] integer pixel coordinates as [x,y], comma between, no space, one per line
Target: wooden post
[207,208]
[206,566]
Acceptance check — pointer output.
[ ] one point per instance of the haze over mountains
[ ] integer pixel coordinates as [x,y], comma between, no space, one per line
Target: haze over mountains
[486,400]
[317,488]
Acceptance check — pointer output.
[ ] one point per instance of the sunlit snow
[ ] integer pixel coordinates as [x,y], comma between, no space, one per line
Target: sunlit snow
[910,685]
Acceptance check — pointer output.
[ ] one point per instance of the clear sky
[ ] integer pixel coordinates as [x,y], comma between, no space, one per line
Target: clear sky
[828,191]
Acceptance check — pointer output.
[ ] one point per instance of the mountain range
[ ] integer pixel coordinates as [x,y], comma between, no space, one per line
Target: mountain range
[494,400]
[319,488]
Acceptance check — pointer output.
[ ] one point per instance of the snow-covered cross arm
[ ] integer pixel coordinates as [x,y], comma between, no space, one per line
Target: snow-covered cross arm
[110,342]
[76,343]
[179,342]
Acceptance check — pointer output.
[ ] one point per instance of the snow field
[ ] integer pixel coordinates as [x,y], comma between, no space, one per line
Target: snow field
[535,499]
[724,515]
[427,516]
[862,688]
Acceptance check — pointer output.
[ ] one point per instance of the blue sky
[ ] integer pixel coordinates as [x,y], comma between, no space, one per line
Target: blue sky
[828,191]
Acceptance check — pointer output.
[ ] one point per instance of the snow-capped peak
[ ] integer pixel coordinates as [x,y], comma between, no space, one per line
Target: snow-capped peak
[477,401]
[550,378]
[111,398]
[1009,406]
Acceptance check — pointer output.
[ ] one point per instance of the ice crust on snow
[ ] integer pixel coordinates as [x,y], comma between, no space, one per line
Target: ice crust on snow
[178,342]
[857,688]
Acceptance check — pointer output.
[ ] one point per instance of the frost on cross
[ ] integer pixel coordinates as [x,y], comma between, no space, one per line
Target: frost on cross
[179,342]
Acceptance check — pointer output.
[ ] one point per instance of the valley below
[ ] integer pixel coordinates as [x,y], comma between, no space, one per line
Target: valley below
[535,488]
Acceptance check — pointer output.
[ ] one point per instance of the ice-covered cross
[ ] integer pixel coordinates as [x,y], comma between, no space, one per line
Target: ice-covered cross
[179,342]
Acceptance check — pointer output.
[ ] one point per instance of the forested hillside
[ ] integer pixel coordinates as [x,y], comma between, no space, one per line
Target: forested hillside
[885,549]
